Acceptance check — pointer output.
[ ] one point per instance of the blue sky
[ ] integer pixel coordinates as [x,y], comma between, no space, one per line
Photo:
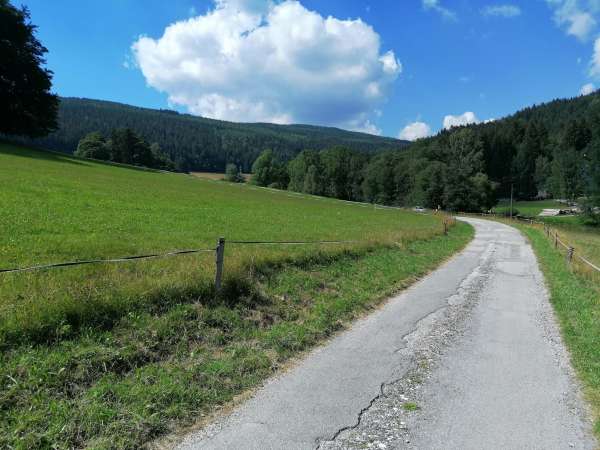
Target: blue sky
[403,62]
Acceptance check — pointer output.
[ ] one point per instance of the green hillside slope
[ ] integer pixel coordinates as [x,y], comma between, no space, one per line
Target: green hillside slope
[196,143]
[112,356]
[57,208]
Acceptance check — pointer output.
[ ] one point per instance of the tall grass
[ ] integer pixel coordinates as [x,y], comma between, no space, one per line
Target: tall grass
[584,239]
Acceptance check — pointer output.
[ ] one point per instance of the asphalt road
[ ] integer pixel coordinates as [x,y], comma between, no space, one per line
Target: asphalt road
[467,358]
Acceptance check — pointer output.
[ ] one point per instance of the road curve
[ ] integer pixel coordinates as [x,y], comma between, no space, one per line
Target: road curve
[468,357]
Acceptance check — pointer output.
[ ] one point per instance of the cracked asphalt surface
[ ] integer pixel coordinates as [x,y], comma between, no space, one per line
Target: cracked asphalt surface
[468,358]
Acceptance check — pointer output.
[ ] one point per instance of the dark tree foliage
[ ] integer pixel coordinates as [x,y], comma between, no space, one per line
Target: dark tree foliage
[94,146]
[453,181]
[267,170]
[28,108]
[126,147]
[305,173]
[196,143]
[592,205]
[447,176]
[233,174]
[540,151]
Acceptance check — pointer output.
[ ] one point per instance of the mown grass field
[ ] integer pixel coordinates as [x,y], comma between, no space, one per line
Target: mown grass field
[116,355]
[216,176]
[528,208]
[584,239]
[59,209]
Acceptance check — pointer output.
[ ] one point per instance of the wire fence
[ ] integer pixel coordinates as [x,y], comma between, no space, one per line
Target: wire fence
[551,233]
[219,252]
[294,242]
[104,261]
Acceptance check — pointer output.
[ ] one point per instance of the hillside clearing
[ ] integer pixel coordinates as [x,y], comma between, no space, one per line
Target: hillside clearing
[216,176]
[528,208]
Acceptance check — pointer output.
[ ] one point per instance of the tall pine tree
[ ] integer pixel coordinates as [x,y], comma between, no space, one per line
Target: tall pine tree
[28,108]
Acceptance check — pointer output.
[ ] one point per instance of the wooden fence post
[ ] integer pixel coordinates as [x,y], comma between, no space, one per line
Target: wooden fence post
[220,257]
[570,252]
[445,227]
[555,240]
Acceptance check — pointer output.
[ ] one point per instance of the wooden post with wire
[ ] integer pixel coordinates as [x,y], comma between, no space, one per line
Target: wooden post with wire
[570,252]
[220,257]
[445,227]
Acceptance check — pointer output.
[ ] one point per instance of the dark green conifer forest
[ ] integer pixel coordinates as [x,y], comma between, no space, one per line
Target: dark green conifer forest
[546,151]
[198,144]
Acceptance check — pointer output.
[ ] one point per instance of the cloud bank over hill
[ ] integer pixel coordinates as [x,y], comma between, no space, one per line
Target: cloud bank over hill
[257,61]
[460,120]
[414,131]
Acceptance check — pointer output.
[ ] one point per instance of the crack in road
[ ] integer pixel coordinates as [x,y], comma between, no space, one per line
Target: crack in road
[469,286]
[350,427]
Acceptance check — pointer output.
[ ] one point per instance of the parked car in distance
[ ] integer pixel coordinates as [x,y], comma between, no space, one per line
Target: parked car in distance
[419,209]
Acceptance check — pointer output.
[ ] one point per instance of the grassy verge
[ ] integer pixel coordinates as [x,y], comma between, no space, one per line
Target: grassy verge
[576,301]
[160,369]
[584,239]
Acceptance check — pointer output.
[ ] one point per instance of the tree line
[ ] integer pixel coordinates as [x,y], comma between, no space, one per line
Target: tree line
[546,151]
[456,182]
[123,146]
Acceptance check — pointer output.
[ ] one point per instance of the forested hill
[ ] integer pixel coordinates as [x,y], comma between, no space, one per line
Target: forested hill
[196,143]
[543,149]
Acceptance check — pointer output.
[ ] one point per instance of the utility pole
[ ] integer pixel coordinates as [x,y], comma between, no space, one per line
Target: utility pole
[511,201]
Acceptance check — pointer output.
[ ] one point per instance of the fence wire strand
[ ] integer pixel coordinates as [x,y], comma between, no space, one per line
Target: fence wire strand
[164,255]
[293,242]
[104,261]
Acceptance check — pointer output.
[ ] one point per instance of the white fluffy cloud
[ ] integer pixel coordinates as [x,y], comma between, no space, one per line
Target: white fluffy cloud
[256,60]
[457,121]
[595,63]
[435,5]
[577,17]
[587,89]
[501,11]
[414,131]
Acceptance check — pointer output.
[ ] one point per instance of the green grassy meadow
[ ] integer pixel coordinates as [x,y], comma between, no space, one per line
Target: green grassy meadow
[584,239]
[113,356]
[57,208]
[528,208]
